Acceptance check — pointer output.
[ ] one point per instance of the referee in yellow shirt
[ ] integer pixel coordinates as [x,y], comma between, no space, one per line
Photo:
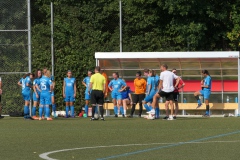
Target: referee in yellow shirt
[97,85]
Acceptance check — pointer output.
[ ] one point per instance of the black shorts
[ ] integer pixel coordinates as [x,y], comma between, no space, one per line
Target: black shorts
[175,96]
[167,95]
[97,97]
[138,98]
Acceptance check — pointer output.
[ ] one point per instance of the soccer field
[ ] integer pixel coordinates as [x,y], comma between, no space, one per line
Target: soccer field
[120,138]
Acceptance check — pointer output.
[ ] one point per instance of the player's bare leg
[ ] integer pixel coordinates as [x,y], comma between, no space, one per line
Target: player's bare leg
[176,108]
[196,95]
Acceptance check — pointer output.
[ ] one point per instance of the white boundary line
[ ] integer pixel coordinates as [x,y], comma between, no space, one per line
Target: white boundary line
[46,157]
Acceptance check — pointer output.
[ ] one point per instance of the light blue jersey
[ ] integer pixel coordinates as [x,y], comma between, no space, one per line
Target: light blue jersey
[45,87]
[69,86]
[26,90]
[86,80]
[116,85]
[24,82]
[208,82]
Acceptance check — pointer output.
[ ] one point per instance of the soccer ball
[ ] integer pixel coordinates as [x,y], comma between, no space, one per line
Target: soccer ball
[96,116]
[151,116]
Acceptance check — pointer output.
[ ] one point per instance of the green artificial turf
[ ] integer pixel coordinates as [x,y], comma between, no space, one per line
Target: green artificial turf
[26,140]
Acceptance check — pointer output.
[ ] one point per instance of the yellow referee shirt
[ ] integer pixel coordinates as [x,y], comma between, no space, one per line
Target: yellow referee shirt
[98,81]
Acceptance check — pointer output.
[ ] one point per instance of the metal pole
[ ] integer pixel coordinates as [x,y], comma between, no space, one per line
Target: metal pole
[237,113]
[120,25]
[29,39]
[52,42]
[29,46]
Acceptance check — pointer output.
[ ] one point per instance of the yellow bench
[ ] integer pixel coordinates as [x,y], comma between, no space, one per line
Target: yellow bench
[185,106]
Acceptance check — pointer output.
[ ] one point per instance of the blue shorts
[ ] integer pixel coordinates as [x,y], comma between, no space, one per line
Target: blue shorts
[52,94]
[35,99]
[87,96]
[149,98]
[206,94]
[45,98]
[26,96]
[69,98]
[116,95]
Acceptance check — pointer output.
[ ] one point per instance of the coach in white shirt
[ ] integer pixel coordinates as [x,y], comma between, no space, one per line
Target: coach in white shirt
[165,89]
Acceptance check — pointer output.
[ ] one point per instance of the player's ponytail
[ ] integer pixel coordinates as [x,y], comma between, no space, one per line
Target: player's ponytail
[152,72]
[205,72]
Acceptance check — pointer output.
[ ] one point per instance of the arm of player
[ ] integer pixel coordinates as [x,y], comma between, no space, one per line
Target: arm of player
[75,89]
[84,83]
[177,81]
[123,88]
[64,89]
[110,86]
[207,83]
[90,87]
[149,88]
[35,90]
[130,97]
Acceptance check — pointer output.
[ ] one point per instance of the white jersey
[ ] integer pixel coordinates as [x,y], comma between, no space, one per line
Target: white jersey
[167,77]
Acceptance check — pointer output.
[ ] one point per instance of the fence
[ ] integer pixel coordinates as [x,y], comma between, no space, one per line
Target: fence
[13,51]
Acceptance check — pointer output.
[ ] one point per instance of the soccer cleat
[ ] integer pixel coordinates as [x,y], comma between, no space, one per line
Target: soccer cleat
[92,119]
[40,119]
[151,112]
[165,118]
[116,115]
[174,117]
[1,117]
[123,115]
[102,119]
[199,105]
[139,116]
[49,119]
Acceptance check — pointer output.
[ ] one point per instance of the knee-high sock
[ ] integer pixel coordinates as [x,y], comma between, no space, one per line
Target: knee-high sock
[157,112]
[115,110]
[67,110]
[101,110]
[93,111]
[121,110]
[207,109]
[86,109]
[72,111]
[198,100]
[47,113]
[44,110]
[54,108]
[140,109]
[40,110]
[133,109]
[147,107]
[34,111]
[26,111]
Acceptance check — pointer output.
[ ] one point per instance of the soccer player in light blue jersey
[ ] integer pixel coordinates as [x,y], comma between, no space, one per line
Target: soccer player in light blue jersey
[69,92]
[46,88]
[152,83]
[54,108]
[206,85]
[86,82]
[36,92]
[25,83]
[116,86]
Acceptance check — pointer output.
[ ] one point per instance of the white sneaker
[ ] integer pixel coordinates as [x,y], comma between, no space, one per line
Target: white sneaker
[151,112]
[170,118]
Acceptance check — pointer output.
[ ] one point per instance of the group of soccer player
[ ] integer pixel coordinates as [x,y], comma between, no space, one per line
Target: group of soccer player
[147,93]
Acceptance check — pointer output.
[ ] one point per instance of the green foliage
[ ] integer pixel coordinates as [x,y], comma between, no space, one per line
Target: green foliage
[84,27]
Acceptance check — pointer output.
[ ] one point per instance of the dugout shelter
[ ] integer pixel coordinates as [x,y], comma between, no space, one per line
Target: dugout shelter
[223,67]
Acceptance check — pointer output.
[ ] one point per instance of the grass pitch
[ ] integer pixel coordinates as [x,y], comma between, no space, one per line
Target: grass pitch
[118,138]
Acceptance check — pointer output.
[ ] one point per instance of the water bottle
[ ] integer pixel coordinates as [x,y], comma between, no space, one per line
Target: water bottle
[236,99]
[227,99]
[184,100]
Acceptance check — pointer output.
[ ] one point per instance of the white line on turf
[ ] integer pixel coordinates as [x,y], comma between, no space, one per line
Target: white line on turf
[46,154]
